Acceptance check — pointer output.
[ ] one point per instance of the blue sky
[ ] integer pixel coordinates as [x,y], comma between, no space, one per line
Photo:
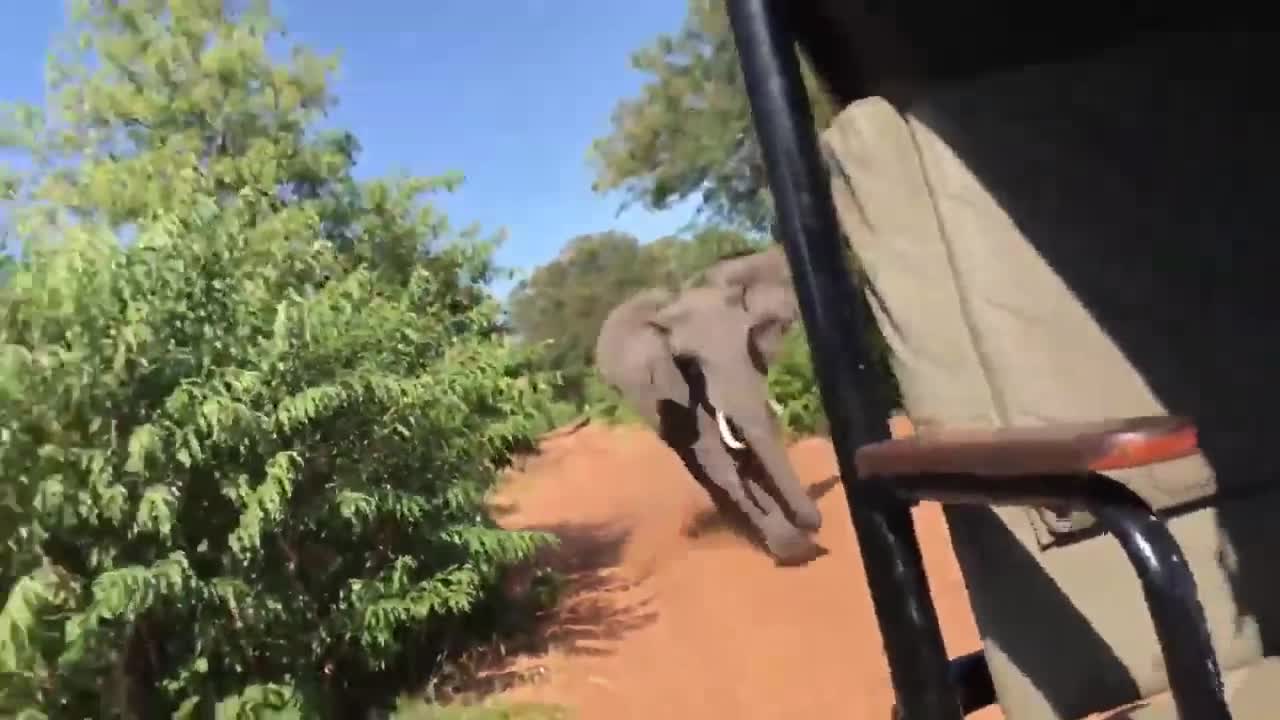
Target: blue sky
[510,92]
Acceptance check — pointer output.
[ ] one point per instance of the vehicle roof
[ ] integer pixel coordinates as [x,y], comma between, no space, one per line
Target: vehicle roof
[875,47]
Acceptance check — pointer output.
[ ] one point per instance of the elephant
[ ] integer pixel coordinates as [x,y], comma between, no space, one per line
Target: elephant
[693,366]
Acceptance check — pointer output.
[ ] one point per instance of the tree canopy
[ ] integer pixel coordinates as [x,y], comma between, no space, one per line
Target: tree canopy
[689,133]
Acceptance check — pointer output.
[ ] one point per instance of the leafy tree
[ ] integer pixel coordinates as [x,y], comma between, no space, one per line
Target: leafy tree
[160,102]
[794,387]
[689,133]
[243,455]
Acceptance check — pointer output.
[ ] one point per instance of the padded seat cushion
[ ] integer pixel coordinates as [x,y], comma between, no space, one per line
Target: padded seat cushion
[1251,695]
[1067,243]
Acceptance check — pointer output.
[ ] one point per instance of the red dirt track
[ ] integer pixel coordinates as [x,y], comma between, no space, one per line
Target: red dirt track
[672,615]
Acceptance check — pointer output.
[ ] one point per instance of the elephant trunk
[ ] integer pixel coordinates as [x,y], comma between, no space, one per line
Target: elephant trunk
[726,432]
[726,429]
[752,412]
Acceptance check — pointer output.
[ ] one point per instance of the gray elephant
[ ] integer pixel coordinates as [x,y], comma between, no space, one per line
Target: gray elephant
[693,366]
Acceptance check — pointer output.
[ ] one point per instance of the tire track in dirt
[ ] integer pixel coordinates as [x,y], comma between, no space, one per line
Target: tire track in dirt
[670,614]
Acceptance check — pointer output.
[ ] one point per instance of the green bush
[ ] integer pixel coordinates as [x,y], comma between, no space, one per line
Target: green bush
[793,386]
[606,404]
[229,462]
[244,457]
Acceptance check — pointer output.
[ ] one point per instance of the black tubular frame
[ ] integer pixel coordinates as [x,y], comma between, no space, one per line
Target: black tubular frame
[927,685]
[1195,680]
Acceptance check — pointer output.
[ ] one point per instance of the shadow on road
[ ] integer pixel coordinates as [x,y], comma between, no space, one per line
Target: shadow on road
[599,605]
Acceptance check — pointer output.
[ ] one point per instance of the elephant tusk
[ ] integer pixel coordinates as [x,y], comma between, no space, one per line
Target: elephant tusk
[777,409]
[726,434]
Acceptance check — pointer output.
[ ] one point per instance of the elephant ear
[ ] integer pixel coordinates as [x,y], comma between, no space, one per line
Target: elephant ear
[768,331]
[773,310]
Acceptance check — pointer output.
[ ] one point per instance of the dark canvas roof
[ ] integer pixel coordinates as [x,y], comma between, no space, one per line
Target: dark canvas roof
[877,47]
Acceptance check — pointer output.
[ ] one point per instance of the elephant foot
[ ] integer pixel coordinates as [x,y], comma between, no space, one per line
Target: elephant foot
[791,548]
[807,517]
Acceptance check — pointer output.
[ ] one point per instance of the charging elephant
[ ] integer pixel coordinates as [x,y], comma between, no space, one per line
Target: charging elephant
[694,367]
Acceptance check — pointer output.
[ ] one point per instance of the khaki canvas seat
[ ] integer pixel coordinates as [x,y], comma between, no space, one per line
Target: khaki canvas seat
[1081,241]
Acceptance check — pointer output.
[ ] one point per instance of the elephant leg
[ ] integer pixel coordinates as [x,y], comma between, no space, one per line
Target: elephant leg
[803,509]
[758,485]
[793,494]
[677,425]
[771,468]
[712,465]
[756,492]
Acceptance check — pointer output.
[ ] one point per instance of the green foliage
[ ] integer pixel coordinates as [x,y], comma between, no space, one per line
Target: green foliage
[554,413]
[157,105]
[606,405]
[276,475]
[156,102]
[793,385]
[243,455]
[273,701]
[690,130]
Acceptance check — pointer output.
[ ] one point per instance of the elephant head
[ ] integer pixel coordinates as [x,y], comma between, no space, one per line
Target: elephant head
[731,332]
[763,281]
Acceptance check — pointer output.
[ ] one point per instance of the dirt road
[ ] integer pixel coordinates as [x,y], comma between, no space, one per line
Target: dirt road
[670,615]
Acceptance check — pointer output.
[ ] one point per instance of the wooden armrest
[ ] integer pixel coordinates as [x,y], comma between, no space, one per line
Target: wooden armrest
[1050,450]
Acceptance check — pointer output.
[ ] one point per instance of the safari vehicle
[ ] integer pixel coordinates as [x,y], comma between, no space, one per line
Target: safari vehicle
[1062,220]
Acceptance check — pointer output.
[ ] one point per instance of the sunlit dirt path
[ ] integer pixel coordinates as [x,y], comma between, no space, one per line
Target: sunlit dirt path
[670,614]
